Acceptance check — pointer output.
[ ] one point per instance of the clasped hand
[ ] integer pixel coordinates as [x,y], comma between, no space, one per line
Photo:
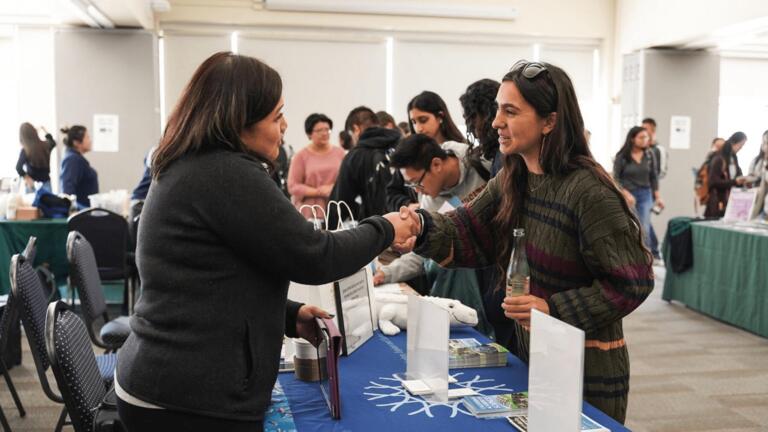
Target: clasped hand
[407,225]
[519,308]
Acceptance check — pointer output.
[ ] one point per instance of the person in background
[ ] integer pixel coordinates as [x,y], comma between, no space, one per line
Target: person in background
[364,172]
[315,167]
[386,120]
[479,105]
[660,165]
[34,163]
[634,171]
[345,141]
[142,189]
[404,129]
[428,115]
[759,165]
[77,177]
[588,265]
[282,166]
[659,152]
[724,173]
[220,243]
[717,145]
[443,178]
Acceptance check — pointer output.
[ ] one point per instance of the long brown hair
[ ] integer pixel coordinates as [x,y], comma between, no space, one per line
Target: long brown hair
[564,150]
[625,152]
[38,151]
[227,94]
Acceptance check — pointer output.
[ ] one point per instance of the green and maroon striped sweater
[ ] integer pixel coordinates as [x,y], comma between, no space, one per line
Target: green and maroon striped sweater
[586,260]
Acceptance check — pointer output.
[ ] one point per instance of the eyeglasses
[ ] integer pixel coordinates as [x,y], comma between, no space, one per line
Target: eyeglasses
[530,70]
[321,130]
[418,184]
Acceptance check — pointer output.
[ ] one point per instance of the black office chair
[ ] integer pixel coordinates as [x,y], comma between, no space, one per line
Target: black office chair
[27,290]
[109,235]
[74,365]
[46,276]
[83,272]
[10,314]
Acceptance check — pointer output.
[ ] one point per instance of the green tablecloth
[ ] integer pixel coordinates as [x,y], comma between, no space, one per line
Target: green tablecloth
[51,246]
[729,277]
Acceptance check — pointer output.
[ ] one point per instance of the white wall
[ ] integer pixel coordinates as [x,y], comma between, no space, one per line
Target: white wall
[183,53]
[744,103]
[447,68]
[27,89]
[110,72]
[324,76]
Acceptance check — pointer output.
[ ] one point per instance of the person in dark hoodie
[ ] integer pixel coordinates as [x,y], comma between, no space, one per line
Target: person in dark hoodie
[364,172]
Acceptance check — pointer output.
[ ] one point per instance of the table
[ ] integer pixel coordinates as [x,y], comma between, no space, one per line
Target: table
[51,246]
[372,400]
[729,277]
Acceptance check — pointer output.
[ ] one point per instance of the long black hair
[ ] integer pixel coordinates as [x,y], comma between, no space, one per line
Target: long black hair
[761,154]
[38,151]
[227,94]
[625,152]
[479,105]
[727,152]
[565,151]
[72,134]
[432,103]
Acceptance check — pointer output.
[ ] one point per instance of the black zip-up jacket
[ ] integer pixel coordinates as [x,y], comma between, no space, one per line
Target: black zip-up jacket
[364,174]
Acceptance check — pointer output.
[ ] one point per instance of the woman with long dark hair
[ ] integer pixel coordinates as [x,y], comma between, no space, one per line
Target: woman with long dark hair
[428,114]
[218,243]
[723,174]
[34,163]
[479,105]
[634,169]
[588,265]
[77,177]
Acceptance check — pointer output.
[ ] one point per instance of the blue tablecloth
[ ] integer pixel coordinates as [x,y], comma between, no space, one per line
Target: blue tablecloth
[372,399]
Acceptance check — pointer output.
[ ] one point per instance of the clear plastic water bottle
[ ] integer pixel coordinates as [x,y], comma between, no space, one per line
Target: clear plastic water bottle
[518,273]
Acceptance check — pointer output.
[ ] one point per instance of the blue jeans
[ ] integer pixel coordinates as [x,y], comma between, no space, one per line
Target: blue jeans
[644,198]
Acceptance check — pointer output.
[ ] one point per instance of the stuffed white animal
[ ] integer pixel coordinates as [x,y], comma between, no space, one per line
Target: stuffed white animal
[392,311]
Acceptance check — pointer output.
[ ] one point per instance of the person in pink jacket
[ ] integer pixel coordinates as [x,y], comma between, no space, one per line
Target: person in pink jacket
[314,169]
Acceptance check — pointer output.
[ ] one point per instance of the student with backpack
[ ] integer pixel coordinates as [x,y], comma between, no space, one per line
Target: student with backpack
[701,185]
[723,174]
[364,171]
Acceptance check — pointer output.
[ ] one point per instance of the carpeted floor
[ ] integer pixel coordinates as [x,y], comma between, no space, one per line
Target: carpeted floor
[689,373]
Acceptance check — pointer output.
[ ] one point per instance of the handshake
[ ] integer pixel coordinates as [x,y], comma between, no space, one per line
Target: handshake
[407,225]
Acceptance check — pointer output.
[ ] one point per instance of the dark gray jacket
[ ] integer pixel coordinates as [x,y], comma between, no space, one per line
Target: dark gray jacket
[218,243]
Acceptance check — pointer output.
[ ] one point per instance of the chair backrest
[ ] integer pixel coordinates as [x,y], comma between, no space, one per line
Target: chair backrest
[84,274]
[108,234]
[27,290]
[30,250]
[10,314]
[74,365]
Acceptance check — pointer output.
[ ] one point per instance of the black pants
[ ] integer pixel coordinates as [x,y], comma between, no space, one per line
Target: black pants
[137,419]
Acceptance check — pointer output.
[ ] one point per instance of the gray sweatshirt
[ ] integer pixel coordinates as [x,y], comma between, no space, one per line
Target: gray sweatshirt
[411,265]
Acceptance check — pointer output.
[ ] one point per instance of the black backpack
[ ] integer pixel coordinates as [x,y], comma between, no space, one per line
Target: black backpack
[376,186]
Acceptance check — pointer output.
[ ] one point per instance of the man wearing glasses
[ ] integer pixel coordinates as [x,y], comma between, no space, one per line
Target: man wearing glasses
[442,177]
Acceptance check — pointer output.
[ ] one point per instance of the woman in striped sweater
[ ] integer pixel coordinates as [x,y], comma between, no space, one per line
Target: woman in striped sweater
[588,265]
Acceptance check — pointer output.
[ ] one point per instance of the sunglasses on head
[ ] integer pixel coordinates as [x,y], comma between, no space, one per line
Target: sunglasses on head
[528,69]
